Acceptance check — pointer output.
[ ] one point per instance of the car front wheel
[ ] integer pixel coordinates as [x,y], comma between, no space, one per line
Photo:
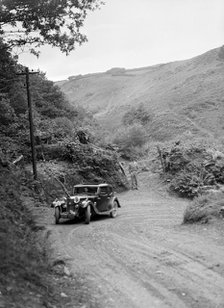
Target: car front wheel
[87,214]
[113,213]
[57,215]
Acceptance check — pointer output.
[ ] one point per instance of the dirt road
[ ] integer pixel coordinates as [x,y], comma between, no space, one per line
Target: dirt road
[145,257]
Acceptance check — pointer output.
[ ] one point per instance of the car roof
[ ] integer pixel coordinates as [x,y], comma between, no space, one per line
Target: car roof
[92,185]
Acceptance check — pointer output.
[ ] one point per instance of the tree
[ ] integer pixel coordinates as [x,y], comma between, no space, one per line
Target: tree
[7,114]
[138,115]
[38,22]
[7,68]
[130,136]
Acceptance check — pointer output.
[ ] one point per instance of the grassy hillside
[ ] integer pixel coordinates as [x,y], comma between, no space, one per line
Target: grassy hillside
[185,97]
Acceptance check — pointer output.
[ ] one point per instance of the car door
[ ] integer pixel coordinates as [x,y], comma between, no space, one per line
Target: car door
[103,199]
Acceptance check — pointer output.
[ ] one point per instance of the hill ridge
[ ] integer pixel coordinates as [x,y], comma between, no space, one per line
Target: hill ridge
[192,88]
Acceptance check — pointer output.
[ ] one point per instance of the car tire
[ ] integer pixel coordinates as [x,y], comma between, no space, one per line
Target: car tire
[113,213]
[57,215]
[87,214]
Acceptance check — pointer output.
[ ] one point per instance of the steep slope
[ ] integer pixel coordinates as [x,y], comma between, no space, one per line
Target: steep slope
[184,96]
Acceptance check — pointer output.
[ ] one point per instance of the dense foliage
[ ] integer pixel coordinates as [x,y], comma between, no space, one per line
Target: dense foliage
[74,163]
[138,115]
[204,207]
[38,22]
[191,169]
[54,118]
[132,135]
[62,132]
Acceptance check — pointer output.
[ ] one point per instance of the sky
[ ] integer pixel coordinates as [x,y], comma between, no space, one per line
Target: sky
[137,33]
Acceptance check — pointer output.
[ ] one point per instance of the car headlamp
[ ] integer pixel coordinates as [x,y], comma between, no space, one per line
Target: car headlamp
[70,201]
[84,202]
[76,199]
[63,205]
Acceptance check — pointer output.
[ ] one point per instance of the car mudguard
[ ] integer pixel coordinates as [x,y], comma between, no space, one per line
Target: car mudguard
[85,203]
[58,202]
[116,199]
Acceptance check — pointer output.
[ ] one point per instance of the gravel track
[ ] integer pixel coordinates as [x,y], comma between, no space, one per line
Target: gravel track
[145,257]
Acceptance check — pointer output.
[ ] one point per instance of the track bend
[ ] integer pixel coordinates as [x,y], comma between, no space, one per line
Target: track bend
[145,257]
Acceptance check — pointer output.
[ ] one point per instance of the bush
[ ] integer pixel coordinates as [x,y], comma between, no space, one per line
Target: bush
[188,182]
[7,114]
[85,163]
[204,207]
[131,136]
[191,169]
[130,141]
[137,115]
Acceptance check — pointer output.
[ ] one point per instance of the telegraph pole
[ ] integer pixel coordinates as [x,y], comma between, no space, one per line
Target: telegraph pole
[30,111]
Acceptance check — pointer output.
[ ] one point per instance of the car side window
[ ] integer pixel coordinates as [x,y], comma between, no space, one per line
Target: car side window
[110,190]
[103,191]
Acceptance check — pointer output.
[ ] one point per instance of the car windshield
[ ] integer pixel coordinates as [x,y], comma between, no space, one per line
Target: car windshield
[85,190]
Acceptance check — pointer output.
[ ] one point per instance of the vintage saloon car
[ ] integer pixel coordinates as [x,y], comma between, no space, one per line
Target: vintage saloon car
[86,201]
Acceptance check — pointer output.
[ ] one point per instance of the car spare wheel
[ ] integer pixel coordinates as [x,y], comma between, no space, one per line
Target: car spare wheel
[113,213]
[87,214]
[57,215]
